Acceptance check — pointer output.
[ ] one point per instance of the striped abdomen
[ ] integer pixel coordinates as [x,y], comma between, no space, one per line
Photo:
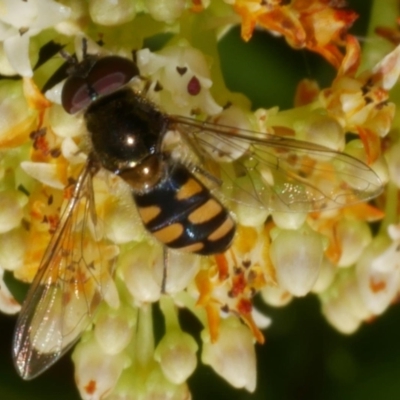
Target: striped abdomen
[181,213]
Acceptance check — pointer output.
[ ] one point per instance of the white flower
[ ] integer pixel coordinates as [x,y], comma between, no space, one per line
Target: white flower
[326,276]
[167,11]
[19,20]
[12,203]
[378,272]
[141,270]
[354,236]
[176,354]
[233,355]
[297,257]
[97,373]
[180,79]
[345,309]
[49,174]
[13,245]
[16,117]
[112,12]
[113,324]
[276,296]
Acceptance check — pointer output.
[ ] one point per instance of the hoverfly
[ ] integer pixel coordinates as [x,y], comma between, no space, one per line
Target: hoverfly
[173,185]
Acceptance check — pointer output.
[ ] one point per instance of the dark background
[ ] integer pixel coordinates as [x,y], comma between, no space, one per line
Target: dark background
[303,358]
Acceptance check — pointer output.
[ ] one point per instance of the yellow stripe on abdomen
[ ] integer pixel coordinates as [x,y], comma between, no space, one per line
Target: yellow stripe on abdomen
[149,213]
[222,230]
[169,233]
[189,189]
[205,212]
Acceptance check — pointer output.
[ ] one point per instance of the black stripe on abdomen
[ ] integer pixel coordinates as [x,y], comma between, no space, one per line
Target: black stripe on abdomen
[181,213]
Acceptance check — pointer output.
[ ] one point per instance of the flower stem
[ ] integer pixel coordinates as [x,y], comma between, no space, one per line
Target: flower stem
[168,309]
[391,215]
[144,336]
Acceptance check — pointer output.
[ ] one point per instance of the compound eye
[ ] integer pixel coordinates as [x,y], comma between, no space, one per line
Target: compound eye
[111,73]
[106,76]
[75,95]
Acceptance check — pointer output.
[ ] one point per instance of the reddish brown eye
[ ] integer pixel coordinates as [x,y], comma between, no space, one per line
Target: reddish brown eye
[75,95]
[111,73]
[106,76]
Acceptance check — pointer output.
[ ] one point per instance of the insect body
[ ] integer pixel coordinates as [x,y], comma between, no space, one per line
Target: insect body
[188,218]
[129,137]
[127,134]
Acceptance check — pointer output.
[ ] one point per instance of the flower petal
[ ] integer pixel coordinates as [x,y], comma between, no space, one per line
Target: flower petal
[233,355]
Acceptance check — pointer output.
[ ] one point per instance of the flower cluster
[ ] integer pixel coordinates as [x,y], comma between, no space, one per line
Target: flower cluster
[278,252]
[318,25]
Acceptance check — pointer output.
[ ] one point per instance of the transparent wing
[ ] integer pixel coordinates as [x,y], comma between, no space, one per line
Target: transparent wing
[70,283]
[275,172]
